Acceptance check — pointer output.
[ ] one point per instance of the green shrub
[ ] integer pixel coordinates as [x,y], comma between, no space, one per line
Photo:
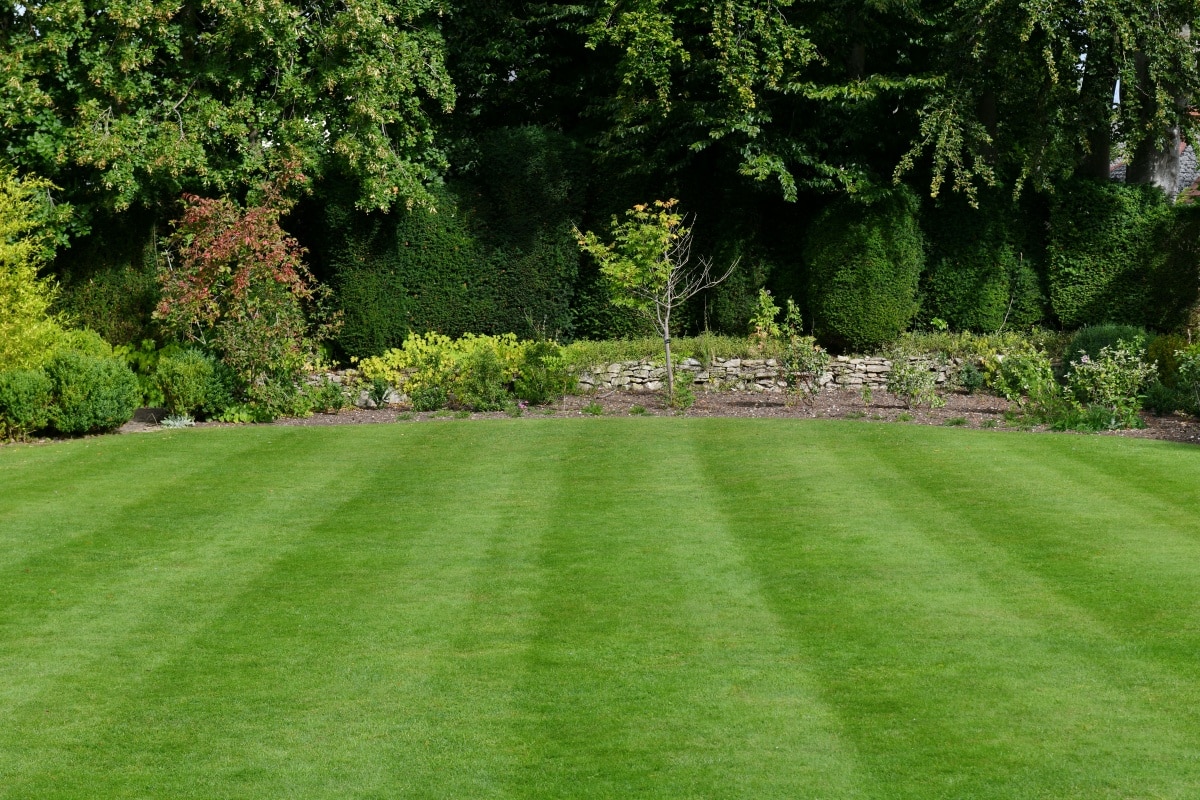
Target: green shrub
[969,378]
[186,380]
[91,394]
[1189,373]
[543,375]
[1163,399]
[25,397]
[1022,376]
[1112,381]
[914,383]
[1162,352]
[1094,338]
[802,359]
[1110,257]
[428,398]
[979,276]
[482,381]
[29,331]
[108,278]
[864,264]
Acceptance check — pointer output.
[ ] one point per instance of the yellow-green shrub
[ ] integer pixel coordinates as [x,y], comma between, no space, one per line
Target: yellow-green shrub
[28,329]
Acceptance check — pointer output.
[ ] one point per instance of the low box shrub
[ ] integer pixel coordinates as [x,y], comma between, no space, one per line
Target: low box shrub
[91,394]
[25,396]
[186,380]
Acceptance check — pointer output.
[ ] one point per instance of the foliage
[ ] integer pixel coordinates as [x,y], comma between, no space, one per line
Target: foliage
[1162,352]
[970,378]
[1091,339]
[1112,381]
[763,326]
[1189,372]
[25,402]
[478,372]
[914,382]
[864,264]
[543,375]
[592,409]
[186,381]
[29,330]
[648,266]
[1023,376]
[979,277]
[683,395]
[1108,260]
[496,253]
[1163,399]
[328,396]
[91,393]
[235,284]
[802,359]
[143,100]
[582,354]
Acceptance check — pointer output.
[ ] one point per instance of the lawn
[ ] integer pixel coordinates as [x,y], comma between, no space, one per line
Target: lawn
[673,608]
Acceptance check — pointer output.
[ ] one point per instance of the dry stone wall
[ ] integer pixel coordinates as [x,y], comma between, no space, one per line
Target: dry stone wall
[745,374]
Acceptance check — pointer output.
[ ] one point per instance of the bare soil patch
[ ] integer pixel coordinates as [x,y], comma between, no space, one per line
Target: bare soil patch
[961,410]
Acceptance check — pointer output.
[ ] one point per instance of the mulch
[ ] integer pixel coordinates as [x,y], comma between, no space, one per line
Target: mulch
[961,410]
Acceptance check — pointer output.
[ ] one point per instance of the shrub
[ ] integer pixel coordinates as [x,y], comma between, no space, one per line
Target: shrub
[802,359]
[1162,353]
[1189,373]
[1094,338]
[1112,381]
[543,374]
[1109,257]
[428,398]
[980,277]
[864,264]
[970,378]
[914,382]
[25,397]
[91,394]
[1022,376]
[186,380]
[482,381]
[236,284]
[28,329]
[1163,399]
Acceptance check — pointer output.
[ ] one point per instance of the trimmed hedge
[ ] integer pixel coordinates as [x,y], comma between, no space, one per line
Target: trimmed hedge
[864,262]
[980,276]
[497,255]
[25,402]
[91,394]
[1110,257]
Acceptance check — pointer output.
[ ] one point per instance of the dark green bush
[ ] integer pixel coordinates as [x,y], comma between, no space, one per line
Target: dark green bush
[91,394]
[428,398]
[1162,352]
[1163,399]
[496,256]
[980,277]
[864,264]
[25,397]
[186,379]
[1093,338]
[108,278]
[1110,257]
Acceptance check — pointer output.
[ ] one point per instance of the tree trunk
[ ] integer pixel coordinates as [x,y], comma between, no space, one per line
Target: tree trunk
[670,366]
[1155,160]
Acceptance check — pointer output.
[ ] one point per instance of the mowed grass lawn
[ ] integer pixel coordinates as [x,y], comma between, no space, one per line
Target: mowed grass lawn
[671,608]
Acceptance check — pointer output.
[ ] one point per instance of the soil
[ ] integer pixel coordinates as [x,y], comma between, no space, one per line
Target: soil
[961,410]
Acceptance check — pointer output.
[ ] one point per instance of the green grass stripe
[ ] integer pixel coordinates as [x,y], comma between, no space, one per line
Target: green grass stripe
[940,642]
[657,654]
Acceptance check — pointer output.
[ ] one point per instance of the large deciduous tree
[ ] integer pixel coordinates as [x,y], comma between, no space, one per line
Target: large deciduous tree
[128,102]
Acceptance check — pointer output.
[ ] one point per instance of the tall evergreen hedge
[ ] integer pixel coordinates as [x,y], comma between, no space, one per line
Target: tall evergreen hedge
[864,262]
[1110,257]
[497,255]
[981,272]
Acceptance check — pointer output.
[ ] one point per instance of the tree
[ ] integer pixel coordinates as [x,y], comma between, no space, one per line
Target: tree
[648,266]
[131,102]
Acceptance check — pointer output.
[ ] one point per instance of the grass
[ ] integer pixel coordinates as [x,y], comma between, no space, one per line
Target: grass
[597,608]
